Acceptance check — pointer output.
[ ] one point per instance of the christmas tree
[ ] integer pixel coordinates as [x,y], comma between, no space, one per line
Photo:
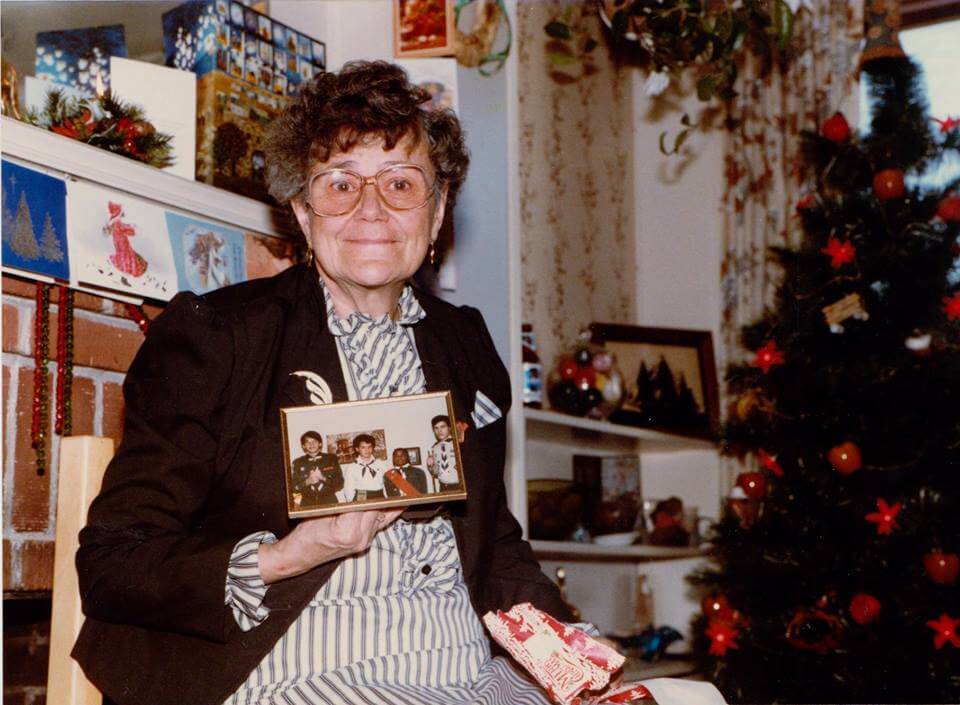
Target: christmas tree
[835,571]
[23,240]
[49,244]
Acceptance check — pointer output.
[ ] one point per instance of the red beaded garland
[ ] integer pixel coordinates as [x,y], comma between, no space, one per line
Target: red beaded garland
[41,354]
[136,314]
[64,418]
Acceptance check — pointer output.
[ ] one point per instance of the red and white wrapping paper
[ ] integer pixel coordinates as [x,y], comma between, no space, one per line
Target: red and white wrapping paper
[572,667]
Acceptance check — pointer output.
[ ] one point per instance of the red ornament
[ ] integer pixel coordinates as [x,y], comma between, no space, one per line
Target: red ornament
[723,636]
[948,124]
[885,517]
[864,608]
[836,128]
[805,202]
[949,209]
[888,184]
[951,306]
[567,368]
[840,253]
[137,315]
[753,484]
[814,630]
[768,356]
[945,627]
[769,462]
[585,377]
[845,458]
[943,568]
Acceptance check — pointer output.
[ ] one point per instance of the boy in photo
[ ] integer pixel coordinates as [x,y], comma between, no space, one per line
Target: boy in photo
[406,474]
[363,478]
[330,478]
[442,457]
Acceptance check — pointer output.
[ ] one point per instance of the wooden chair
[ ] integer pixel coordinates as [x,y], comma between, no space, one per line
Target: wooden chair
[83,460]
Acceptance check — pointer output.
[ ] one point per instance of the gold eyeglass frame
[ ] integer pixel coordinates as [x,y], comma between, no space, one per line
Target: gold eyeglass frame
[371,181]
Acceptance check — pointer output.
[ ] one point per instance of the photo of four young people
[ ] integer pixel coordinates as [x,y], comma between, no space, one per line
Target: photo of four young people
[349,469]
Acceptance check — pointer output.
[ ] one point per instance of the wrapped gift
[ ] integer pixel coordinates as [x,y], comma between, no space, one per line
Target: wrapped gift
[573,667]
[232,117]
[204,36]
[79,58]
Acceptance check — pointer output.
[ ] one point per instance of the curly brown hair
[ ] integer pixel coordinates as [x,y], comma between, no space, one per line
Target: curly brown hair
[366,99]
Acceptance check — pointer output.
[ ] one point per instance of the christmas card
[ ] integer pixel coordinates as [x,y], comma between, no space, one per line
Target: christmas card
[119,242]
[207,256]
[34,222]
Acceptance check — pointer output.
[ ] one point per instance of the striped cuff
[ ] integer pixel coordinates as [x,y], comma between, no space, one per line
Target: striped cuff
[585,627]
[245,589]
[485,412]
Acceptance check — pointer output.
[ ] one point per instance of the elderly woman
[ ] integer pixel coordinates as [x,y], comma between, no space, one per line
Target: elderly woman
[197,587]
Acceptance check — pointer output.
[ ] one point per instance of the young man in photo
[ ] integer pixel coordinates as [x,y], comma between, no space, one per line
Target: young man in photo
[363,478]
[415,476]
[314,459]
[442,457]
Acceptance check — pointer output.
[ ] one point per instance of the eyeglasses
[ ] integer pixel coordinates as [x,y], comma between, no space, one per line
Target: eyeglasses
[403,187]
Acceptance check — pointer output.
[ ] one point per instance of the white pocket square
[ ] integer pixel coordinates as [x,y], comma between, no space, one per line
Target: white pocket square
[485,412]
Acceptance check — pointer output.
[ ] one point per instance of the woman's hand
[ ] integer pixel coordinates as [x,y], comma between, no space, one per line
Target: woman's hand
[317,541]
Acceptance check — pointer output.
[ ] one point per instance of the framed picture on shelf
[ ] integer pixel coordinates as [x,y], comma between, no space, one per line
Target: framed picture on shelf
[367,454]
[670,378]
[423,28]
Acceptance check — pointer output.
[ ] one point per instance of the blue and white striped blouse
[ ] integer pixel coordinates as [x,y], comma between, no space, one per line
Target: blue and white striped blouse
[393,625]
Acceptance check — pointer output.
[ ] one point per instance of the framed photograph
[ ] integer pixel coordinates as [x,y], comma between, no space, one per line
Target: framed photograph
[423,28]
[670,378]
[367,455]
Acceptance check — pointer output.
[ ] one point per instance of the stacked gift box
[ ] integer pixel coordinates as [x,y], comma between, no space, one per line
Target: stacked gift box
[225,35]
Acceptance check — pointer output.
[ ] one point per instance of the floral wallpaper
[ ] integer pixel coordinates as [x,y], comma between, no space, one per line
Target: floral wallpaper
[576,184]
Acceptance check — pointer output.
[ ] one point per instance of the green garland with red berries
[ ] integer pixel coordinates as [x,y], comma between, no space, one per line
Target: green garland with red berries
[108,123]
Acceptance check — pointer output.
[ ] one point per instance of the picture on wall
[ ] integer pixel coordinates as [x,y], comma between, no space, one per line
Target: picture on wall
[34,221]
[367,455]
[119,242]
[437,76]
[670,376]
[423,28]
[207,256]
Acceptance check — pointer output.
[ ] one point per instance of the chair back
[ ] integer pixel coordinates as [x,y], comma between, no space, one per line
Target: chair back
[83,460]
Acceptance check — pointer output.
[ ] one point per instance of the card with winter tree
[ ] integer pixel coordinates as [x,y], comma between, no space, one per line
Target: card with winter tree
[34,222]
[670,375]
[207,256]
[119,242]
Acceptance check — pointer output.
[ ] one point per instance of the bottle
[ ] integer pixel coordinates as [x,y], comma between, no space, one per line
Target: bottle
[562,584]
[532,369]
[642,605]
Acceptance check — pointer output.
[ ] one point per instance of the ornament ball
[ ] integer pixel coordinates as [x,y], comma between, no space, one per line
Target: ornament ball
[888,184]
[845,458]
[949,209]
[864,608]
[942,568]
[836,128]
[567,368]
[753,484]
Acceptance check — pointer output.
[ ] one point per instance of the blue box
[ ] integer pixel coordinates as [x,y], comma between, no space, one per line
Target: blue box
[227,35]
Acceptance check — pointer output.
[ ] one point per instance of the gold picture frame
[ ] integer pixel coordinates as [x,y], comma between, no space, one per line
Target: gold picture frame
[423,28]
[353,456]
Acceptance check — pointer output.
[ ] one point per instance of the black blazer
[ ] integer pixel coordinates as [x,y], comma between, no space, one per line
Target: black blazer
[201,466]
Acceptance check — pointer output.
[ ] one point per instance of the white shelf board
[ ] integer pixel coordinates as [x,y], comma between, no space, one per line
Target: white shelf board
[55,153]
[656,440]
[639,552]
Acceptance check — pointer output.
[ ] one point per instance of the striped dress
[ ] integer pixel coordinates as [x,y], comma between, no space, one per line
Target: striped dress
[393,625]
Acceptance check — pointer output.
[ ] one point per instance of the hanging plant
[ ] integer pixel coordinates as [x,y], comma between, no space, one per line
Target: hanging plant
[670,37]
[571,44]
[108,123]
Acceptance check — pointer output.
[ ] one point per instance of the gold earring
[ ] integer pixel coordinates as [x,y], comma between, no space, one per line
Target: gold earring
[433,254]
[309,257]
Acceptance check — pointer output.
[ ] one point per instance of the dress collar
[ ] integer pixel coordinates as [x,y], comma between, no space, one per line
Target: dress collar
[409,308]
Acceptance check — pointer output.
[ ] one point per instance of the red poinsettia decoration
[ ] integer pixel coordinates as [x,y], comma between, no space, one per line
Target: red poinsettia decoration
[885,517]
[951,306]
[945,627]
[948,124]
[840,252]
[768,356]
[723,636]
[769,462]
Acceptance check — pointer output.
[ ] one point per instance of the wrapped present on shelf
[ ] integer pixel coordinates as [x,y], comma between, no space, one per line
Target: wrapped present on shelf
[204,36]
[232,117]
[79,58]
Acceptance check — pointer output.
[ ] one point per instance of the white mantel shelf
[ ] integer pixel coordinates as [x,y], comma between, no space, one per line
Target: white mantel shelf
[652,440]
[72,158]
[587,551]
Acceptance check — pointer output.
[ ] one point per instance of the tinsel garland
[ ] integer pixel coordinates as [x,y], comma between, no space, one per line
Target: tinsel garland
[108,123]
[137,315]
[64,420]
[41,352]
